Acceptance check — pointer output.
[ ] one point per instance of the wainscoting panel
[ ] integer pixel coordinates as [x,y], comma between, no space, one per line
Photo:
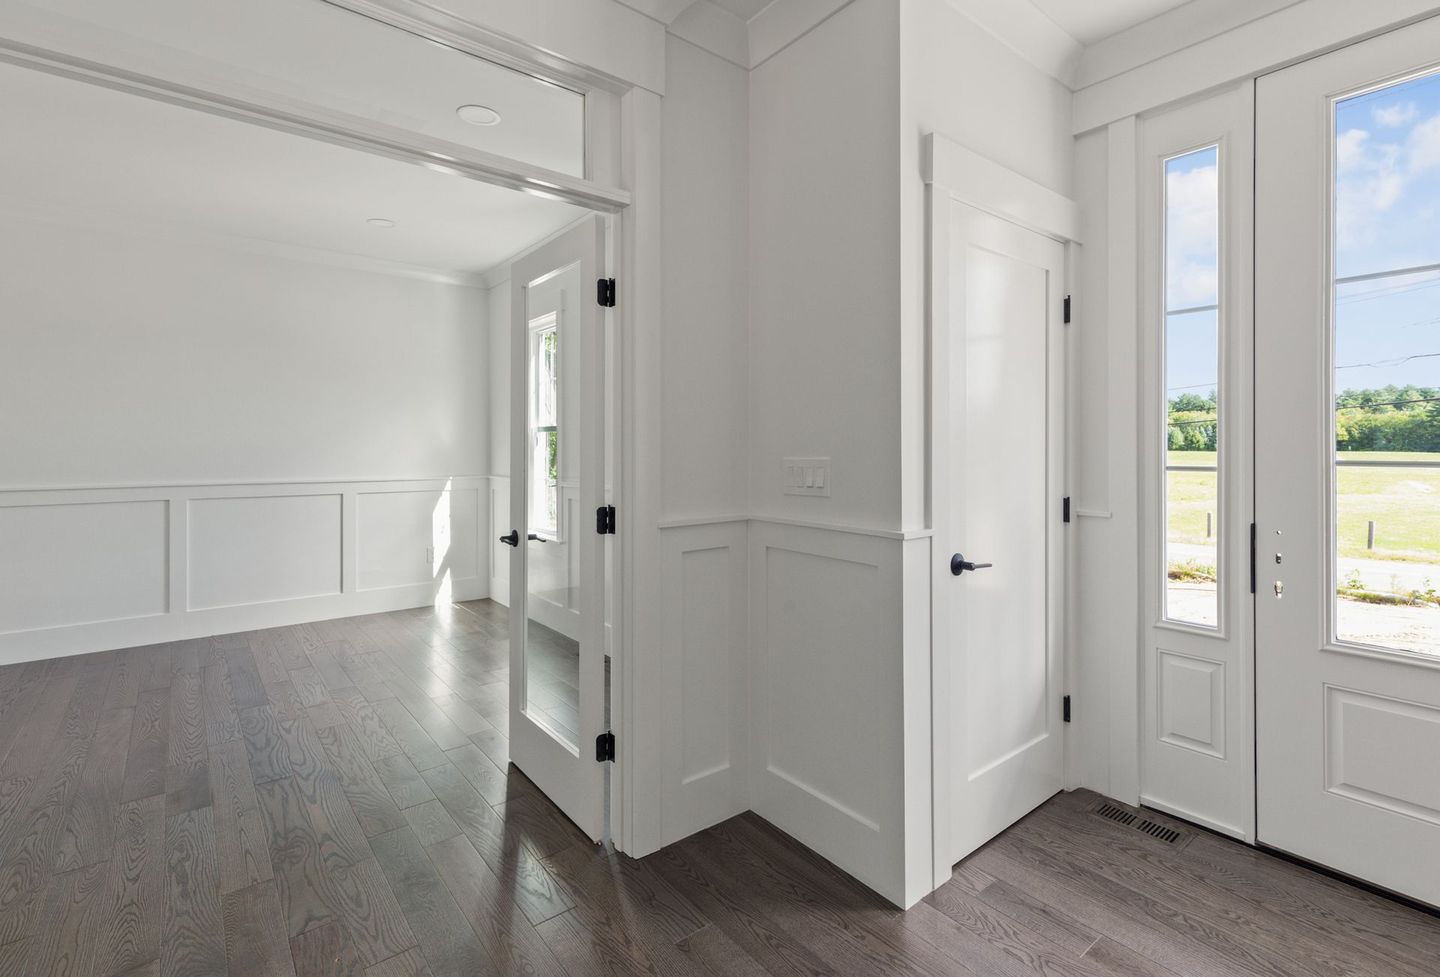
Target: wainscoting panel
[827,695]
[82,563]
[703,605]
[89,569]
[417,537]
[262,549]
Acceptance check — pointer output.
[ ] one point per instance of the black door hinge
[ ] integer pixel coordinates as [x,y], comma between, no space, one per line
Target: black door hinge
[1254,570]
[605,520]
[1065,708]
[1067,310]
[605,292]
[605,747]
[1065,509]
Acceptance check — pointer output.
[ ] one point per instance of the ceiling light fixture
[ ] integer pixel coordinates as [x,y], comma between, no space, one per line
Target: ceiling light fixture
[478,115]
[380,222]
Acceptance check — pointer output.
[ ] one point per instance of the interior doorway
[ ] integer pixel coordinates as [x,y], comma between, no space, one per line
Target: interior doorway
[305,304]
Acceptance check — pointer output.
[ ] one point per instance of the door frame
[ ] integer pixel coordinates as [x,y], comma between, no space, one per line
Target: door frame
[954,173]
[622,165]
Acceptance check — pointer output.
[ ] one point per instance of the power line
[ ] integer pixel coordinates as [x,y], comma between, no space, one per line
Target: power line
[1398,361]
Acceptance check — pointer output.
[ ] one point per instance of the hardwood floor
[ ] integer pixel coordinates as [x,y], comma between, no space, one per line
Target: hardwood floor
[336,799]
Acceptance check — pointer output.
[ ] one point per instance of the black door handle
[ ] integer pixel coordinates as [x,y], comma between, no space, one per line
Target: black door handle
[958,564]
[512,538]
[538,539]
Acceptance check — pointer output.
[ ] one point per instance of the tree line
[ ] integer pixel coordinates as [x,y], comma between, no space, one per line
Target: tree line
[1389,418]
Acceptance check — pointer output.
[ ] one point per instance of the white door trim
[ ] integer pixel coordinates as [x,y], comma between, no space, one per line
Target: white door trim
[954,173]
[985,185]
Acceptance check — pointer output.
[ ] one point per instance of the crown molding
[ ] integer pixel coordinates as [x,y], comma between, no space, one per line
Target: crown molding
[713,28]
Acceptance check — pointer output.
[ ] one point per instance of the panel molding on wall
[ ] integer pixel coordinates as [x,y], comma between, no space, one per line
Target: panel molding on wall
[89,569]
[827,695]
[704,630]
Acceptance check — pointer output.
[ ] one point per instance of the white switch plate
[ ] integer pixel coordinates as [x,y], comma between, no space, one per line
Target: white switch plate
[806,476]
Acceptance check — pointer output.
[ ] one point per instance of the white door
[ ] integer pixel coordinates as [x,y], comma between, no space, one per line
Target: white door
[1196,753]
[557,569]
[998,367]
[1347,322]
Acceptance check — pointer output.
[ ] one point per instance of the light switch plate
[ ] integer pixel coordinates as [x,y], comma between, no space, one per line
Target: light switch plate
[806,476]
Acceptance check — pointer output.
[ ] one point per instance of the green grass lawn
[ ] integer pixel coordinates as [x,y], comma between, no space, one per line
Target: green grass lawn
[1403,502]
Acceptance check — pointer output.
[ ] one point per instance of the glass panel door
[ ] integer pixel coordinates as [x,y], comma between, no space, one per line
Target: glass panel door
[1347,506]
[557,688]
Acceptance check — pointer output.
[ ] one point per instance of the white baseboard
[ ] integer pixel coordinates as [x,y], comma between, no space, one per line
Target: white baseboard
[82,639]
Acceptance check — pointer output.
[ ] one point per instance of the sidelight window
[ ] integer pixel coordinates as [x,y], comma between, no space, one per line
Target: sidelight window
[1192,391]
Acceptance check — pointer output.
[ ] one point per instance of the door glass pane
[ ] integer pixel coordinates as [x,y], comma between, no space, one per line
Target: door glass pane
[1192,331]
[1386,379]
[552,606]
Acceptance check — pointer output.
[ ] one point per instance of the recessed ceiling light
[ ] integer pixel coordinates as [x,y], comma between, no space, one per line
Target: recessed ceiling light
[478,115]
[380,222]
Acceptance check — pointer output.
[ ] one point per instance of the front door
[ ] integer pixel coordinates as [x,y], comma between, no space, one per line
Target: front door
[557,570]
[1347,322]
[998,358]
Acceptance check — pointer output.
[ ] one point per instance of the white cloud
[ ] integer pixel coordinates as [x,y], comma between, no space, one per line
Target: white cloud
[1350,148]
[1395,116]
[1192,202]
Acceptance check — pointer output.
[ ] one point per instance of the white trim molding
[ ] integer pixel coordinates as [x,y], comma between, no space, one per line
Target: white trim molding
[986,185]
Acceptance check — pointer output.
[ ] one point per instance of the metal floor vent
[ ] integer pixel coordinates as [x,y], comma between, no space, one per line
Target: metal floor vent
[1113,812]
[1167,835]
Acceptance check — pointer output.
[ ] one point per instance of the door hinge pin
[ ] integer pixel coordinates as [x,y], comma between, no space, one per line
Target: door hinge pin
[1065,708]
[1065,509]
[1067,310]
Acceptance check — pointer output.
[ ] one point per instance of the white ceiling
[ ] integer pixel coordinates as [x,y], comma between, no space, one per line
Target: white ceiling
[86,153]
[365,68]
[1090,20]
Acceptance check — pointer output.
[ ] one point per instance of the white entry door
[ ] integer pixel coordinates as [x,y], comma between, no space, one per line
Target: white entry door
[1347,322]
[998,361]
[557,569]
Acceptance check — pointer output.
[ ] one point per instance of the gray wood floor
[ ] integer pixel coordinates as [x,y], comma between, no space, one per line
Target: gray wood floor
[336,799]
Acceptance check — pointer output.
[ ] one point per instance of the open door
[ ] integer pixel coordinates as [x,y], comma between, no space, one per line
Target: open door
[557,569]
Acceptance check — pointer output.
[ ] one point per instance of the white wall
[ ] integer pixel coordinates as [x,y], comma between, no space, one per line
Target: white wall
[251,437]
[703,425]
[824,268]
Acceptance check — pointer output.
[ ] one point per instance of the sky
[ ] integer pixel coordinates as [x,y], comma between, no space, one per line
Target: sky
[1387,216]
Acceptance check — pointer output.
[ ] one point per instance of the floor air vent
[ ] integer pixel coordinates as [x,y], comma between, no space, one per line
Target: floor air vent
[1168,835]
[1113,813]
[1118,814]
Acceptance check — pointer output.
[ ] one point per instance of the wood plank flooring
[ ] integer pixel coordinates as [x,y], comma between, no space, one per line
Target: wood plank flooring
[336,799]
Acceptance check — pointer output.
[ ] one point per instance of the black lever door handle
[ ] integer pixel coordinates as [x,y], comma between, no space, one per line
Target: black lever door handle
[538,538]
[512,538]
[958,564]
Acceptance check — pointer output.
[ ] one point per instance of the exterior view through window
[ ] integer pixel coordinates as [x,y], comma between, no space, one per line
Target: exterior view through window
[1192,403]
[545,446]
[1386,385]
